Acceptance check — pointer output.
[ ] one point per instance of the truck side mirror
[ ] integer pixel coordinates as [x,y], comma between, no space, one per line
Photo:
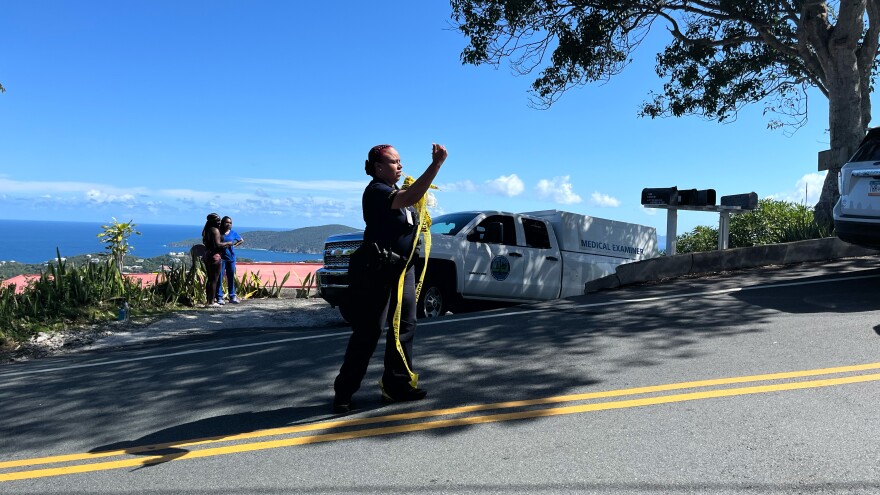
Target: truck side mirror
[477,234]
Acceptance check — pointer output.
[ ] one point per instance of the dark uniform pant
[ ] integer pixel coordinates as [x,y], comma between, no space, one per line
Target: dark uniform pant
[375,307]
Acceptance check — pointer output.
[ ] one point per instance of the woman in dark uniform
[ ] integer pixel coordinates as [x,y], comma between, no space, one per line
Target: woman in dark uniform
[392,226]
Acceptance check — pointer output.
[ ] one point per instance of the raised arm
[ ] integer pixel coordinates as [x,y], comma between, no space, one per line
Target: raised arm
[412,194]
[218,239]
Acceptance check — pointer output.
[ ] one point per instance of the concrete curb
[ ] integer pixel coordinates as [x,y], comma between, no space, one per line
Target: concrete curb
[666,267]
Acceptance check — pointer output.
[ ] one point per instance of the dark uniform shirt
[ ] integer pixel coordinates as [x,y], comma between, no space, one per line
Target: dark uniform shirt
[390,228]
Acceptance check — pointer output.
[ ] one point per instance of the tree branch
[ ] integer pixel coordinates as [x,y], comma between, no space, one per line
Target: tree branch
[812,39]
[867,55]
[850,22]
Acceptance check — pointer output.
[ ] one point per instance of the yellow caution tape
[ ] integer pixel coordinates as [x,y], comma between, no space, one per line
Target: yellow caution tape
[424,226]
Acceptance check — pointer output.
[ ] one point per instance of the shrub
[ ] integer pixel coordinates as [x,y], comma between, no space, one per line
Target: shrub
[180,286]
[66,294]
[306,285]
[251,285]
[702,238]
[771,222]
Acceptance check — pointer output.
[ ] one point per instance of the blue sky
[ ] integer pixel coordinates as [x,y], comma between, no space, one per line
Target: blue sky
[163,111]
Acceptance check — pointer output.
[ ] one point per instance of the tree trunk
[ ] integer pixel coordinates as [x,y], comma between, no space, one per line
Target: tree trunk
[848,105]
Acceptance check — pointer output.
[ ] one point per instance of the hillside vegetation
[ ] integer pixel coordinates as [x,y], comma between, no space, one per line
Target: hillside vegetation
[304,240]
[66,295]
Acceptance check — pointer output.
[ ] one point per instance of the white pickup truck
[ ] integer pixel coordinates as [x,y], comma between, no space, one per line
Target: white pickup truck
[499,256]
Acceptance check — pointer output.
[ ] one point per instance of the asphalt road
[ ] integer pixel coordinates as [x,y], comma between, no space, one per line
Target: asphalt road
[763,381]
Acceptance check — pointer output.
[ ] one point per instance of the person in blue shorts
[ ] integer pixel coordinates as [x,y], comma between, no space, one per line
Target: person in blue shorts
[227,263]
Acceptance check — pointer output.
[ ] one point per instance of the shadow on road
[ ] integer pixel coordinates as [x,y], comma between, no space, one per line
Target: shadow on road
[855,296]
[513,353]
[171,443]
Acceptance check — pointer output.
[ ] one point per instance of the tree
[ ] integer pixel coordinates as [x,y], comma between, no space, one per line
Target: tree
[115,236]
[722,55]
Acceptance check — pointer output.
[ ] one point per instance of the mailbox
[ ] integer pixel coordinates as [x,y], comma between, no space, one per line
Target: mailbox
[660,196]
[697,197]
[747,201]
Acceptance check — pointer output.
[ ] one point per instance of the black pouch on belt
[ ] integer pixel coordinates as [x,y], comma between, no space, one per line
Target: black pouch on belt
[370,261]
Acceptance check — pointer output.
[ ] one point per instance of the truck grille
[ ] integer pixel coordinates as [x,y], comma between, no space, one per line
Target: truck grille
[336,254]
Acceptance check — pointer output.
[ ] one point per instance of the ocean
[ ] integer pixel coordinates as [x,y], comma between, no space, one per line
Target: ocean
[29,241]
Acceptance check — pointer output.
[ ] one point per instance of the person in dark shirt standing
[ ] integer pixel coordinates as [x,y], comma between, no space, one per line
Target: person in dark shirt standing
[391,227]
[214,245]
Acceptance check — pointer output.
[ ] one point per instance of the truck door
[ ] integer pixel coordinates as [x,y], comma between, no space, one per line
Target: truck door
[493,263]
[542,261]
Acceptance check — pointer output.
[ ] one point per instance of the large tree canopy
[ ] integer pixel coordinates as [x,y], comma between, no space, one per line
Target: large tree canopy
[722,55]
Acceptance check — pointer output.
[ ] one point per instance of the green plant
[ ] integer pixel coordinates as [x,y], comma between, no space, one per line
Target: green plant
[115,236]
[251,285]
[66,293]
[180,285]
[700,239]
[802,225]
[305,290]
[772,222]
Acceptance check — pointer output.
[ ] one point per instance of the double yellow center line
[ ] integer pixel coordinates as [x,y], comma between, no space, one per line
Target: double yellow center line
[346,429]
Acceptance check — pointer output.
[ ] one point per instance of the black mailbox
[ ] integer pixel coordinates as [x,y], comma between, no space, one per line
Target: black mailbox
[660,196]
[697,197]
[747,201]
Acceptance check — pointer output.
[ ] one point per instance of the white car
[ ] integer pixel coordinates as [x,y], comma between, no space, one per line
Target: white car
[857,212]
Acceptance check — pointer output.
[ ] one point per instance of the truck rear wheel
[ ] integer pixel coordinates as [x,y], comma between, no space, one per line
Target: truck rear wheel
[433,301]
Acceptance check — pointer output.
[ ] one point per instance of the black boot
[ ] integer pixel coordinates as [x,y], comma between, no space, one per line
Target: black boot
[342,406]
[404,395]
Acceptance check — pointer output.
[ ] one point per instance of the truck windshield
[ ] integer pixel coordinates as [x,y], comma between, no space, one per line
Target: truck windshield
[451,224]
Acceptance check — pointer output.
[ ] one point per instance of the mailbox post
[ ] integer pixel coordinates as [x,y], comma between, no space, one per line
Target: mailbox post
[672,199]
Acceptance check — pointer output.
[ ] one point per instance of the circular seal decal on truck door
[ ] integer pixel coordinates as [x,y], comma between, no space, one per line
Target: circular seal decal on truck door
[500,268]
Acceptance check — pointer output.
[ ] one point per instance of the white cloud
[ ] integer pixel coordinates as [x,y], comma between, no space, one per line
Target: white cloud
[461,186]
[97,196]
[603,200]
[310,185]
[194,196]
[558,189]
[506,185]
[806,190]
[332,202]
[59,187]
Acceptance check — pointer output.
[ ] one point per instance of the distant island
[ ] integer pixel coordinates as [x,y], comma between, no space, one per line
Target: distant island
[307,240]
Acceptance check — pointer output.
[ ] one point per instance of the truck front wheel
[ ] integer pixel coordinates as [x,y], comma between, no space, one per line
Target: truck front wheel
[433,302]
[346,310]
